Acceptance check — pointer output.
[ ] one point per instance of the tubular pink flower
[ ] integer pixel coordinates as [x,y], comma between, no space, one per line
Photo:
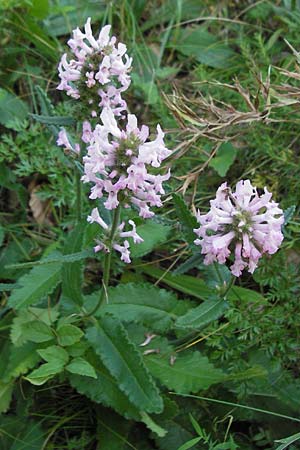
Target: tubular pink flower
[117,162]
[63,141]
[99,68]
[244,222]
[103,245]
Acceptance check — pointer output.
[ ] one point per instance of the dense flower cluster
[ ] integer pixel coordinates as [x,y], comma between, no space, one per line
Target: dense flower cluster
[120,234]
[117,162]
[98,71]
[243,222]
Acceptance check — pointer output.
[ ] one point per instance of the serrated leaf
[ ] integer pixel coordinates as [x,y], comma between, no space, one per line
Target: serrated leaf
[38,283]
[186,219]
[81,367]
[56,358]
[144,303]
[189,373]
[6,390]
[224,158]
[72,273]
[37,331]
[201,316]
[54,353]
[104,389]
[20,361]
[58,258]
[54,120]
[153,234]
[17,335]
[110,341]
[78,349]
[68,334]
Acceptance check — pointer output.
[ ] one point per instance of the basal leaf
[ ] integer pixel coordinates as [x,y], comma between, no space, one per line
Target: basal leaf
[110,341]
[202,315]
[72,277]
[189,373]
[104,389]
[144,303]
[81,367]
[45,315]
[38,283]
[21,359]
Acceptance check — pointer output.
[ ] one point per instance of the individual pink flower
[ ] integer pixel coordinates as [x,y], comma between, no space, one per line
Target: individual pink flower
[121,247]
[99,68]
[118,162]
[63,141]
[243,223]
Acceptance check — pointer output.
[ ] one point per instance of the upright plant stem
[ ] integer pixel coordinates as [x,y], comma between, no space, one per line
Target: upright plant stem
[107,258]
[78,196]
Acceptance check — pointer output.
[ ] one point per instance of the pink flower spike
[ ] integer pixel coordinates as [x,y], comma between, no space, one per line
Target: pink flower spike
[240,221]
[95,217]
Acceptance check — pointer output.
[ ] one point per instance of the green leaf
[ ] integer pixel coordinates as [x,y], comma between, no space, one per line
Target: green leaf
[205,47]
[17,335]
[104,389]
[81,367]
[20,361]
[110,341]
[54,354]
[187,220]
[6,390]
[149,422]
[39,8]
[72,273]
[190,443]
[11,108]
[144,303]
[44,373]
[202,315]
[37,331]
[68,334]
[54,120]
[38,283]
[288,214]
[189,373]
[58,258]
[198,288]
[224,158]
[153,234]
[112,430]
[56,358]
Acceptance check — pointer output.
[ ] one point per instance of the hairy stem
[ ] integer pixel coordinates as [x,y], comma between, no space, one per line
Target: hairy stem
[107,258]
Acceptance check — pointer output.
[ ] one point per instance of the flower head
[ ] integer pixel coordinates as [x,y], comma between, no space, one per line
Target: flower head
[99,69]
[121,247]
[117,164]
[242,222]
